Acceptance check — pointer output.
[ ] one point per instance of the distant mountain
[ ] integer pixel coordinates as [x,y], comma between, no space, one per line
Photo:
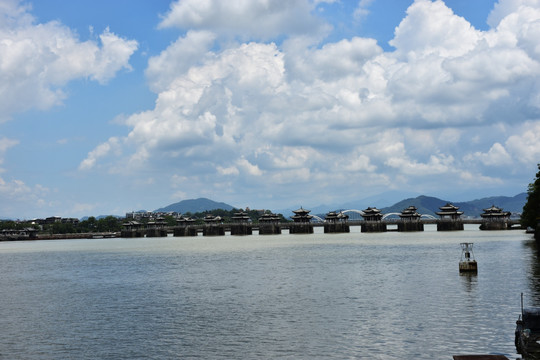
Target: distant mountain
[380,200]
[194,206]
[430,205]
[513,204]
[425,205]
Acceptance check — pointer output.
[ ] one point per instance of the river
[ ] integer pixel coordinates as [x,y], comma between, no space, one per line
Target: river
[337,296]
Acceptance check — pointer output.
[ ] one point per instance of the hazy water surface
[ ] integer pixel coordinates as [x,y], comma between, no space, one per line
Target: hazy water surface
[341,296]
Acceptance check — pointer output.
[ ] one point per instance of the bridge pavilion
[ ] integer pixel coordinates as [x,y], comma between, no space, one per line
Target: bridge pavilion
[410,220]
[156,228]
[336,223]
[372,220]
[185,227]
[213,226]
[494,218]
[301,222]
[269,224]
[241,224]
[450,218]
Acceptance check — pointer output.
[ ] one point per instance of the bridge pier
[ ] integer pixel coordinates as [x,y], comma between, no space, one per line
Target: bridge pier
[406,226]
[453,225]
[188,230]
[338,227]
[494,225]
[301,228]
[269,228]
[241,229]
[373,226]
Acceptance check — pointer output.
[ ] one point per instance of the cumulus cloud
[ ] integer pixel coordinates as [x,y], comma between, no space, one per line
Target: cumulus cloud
[302,116]
[37,59]
[247,19]
[16,194]
[5,144]
[525,147]
[100,151]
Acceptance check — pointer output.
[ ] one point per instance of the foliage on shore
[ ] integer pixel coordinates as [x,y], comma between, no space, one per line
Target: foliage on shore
[531,211]
[90,225]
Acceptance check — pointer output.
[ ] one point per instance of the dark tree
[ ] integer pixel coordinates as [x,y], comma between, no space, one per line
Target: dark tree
[531,210]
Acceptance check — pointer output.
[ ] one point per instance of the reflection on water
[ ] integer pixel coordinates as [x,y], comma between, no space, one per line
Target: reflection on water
[381,296]
[469,281]
[531,255]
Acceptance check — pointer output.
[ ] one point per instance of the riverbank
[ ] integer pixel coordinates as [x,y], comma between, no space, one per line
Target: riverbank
[61,236]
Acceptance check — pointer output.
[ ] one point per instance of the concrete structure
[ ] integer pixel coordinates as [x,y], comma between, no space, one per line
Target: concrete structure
[23,234]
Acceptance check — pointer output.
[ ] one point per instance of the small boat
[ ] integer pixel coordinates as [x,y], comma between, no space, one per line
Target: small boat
[467,263]
[527,337]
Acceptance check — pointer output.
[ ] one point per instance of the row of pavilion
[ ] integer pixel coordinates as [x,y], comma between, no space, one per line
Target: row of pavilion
[493,218]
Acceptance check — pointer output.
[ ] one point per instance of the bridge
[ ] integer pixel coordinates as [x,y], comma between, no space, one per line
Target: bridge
[319,222]
[354,218]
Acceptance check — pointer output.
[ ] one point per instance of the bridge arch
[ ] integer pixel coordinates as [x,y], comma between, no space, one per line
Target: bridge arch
[354,211]
[317,218]
[390,214]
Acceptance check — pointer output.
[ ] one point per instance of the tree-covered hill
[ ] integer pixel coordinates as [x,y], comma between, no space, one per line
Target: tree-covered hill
[430,205]
[195,206]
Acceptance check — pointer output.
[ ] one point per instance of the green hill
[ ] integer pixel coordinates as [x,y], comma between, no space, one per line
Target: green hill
[194,205]
[430,205]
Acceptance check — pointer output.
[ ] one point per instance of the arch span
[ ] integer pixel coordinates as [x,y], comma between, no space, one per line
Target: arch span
[390,214]
[354,211]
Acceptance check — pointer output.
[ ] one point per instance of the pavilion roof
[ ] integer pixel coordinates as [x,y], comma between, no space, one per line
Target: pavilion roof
[301,211]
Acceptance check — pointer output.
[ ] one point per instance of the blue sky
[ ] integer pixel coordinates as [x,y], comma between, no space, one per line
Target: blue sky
[113,106]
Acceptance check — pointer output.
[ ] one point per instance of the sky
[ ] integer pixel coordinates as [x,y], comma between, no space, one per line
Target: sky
[108,107]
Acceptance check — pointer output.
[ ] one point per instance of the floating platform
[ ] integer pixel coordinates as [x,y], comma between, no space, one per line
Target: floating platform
[467,263]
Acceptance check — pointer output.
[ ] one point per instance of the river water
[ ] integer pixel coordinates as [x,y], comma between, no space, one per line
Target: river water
[338,296]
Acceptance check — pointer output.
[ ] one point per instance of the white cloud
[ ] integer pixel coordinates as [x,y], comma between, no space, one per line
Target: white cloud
[431,28]
[100,151]
[178,58]
[36,60]
[525,147]
[496,156]
[297,114]
[362,9]
[5,144]
[17,195]
[248,19]
[504,8]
